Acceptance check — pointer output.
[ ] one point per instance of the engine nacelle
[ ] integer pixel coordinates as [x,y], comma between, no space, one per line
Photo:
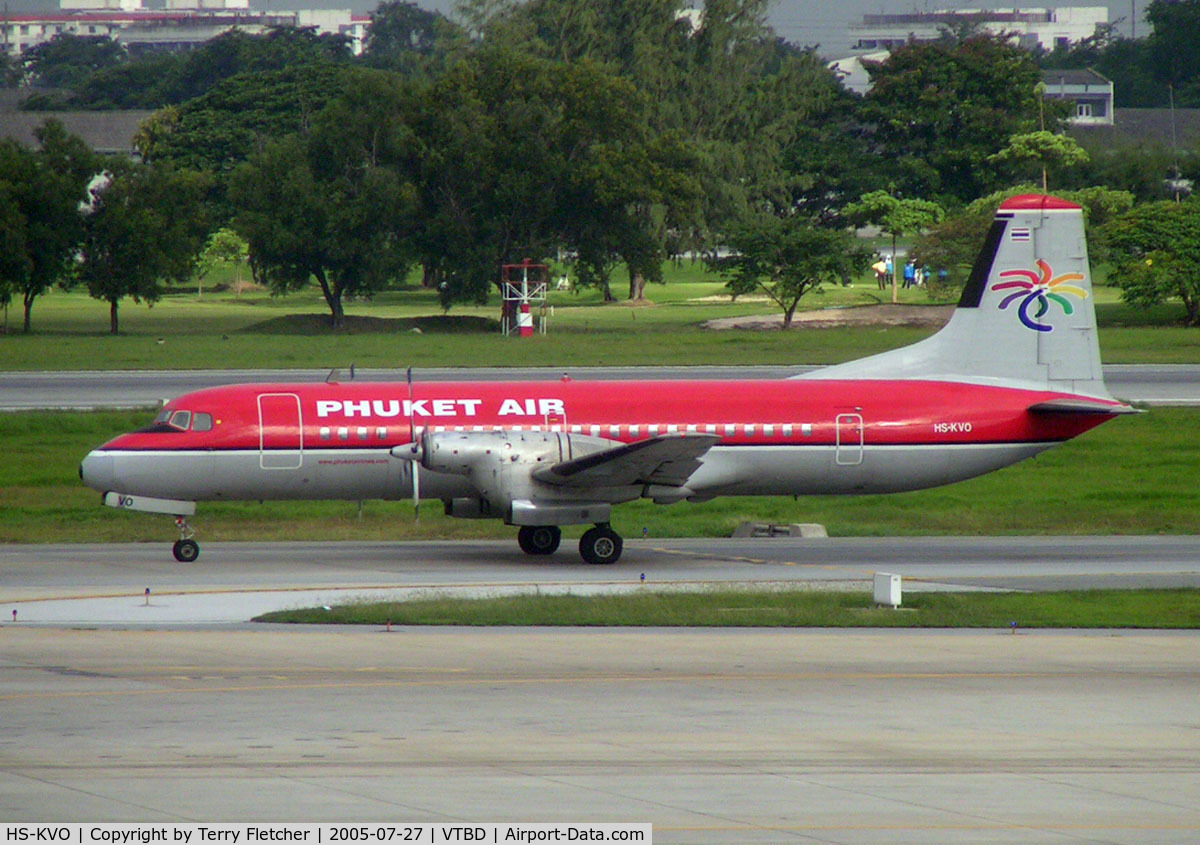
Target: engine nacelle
[499,466]
[469,452]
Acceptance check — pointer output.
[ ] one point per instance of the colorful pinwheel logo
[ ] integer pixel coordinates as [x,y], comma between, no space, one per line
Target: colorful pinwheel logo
[1039,290]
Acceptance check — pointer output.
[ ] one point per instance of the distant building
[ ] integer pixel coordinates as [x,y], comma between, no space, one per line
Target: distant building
[1045,28]
[110,132]
[1178,129]
[853,73]
[1090,92]
[182,25]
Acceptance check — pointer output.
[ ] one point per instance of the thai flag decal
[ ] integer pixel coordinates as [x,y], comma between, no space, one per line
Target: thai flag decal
[1021,233]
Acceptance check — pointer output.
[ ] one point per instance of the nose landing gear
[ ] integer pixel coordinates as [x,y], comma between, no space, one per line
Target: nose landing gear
[185,549]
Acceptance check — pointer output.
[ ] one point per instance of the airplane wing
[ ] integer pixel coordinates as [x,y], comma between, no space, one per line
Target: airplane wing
[1080,406]
[667,459]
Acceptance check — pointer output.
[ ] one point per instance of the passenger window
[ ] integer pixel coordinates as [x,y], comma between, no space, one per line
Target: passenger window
[181,420]
[202,422]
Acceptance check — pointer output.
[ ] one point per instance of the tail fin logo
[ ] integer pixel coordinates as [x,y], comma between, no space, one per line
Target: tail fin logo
[1039,289]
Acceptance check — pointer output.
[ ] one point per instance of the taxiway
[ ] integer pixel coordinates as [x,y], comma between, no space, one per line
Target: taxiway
[723,736]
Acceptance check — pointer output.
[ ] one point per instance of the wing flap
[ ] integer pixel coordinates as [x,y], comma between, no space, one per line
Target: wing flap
[667,459]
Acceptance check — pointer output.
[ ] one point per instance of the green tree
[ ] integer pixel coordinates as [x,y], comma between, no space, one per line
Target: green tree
[410,40]
[145,223]
[14,258]
[1141,168]
[786,258]
[140,83]
[740,98]
[894,217]
[333,204]
[223,247]
[10,70]
[67,60]
[824,152]
[1174,50]
[939,109]
[1124,61]
[1155,248]
[521,156]
[1043,149]
[220,129]
[154,80]
[46,187]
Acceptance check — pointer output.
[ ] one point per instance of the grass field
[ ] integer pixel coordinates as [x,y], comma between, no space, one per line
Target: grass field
[781,609]
[1134,475]
[185,330]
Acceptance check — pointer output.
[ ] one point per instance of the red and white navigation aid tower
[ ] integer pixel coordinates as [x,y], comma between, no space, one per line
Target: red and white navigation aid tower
[523,285]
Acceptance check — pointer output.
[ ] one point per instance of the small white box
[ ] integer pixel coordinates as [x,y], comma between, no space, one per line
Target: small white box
[887,589]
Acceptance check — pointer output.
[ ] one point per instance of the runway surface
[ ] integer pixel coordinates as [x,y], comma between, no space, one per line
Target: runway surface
[1149,384]
[173,710]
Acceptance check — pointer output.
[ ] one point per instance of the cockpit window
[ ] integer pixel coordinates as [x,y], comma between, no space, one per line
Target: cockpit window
[170,420]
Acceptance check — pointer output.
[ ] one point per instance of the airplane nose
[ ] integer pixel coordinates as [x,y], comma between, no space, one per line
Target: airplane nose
[96,470]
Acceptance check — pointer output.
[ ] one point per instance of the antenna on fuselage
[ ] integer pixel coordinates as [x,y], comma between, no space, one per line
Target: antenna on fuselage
[335,375]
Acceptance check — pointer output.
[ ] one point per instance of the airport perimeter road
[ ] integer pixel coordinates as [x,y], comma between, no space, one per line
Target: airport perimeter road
[1152,384]
[232,582]
[714,736]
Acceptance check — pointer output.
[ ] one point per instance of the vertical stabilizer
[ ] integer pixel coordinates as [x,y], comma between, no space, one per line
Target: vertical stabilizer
[1026,314]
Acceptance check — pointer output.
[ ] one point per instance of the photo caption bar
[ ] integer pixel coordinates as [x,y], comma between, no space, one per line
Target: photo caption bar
[321,834]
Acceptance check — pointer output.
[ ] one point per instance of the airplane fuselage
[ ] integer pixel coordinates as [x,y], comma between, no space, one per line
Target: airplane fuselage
[1015,370]
[335,441]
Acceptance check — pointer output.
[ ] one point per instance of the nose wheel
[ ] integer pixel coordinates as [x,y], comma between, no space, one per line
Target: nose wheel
[600,545]
[185,549]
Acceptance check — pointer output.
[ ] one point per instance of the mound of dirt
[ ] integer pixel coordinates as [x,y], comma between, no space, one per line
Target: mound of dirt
[307,324]
[924,316]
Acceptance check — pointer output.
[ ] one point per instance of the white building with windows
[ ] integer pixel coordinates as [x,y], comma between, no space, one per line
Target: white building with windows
[1090,92]
[1044,28]
[183,24]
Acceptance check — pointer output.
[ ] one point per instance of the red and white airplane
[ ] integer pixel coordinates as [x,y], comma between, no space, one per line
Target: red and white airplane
[1015,371]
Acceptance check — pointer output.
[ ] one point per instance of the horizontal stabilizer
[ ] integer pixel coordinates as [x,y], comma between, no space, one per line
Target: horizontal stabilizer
[668,459]
[1080,406]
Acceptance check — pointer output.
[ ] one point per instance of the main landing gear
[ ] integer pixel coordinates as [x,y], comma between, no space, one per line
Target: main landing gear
[599,545]
[185,549]
[539,539]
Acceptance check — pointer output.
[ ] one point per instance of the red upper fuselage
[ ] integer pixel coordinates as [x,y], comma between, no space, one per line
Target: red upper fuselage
[745,413]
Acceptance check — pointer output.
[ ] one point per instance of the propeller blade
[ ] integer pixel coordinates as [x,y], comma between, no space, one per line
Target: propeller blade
[416,450]
[412,424]
[416,473]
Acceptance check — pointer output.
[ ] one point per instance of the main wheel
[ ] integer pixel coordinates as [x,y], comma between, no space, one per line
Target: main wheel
[186,550]
[600,545]
[539,539]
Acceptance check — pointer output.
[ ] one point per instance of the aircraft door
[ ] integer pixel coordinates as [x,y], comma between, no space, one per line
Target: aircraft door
[849,440]
[281,431]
